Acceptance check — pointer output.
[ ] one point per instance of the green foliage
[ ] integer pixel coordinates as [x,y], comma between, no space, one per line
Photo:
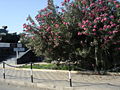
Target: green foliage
[46,66]
[51,66]
[82,29]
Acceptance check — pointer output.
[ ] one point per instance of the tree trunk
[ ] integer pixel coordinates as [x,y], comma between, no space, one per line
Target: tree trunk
[97,69]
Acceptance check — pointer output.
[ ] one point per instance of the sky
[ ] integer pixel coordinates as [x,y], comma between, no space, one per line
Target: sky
[13,13]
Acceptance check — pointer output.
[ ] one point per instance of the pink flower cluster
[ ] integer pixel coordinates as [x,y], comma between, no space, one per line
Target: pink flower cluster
[66,0]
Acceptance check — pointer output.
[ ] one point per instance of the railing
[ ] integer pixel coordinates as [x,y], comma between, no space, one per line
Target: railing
[4,68]
[31,72]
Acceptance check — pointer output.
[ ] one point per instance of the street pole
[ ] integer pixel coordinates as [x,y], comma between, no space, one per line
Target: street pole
[3,70]
[31,73]
[70,79]
[17,55]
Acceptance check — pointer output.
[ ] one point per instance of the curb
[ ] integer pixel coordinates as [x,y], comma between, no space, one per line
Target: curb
[27,84]
[45,70]
[61,71]
[34,85]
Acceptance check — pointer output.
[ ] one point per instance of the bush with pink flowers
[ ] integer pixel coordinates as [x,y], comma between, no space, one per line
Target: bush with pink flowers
[79,30]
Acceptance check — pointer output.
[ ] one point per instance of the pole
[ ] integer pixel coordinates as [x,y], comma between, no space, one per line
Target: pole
[31,73]
[70,79]
[17,55]
[3,70]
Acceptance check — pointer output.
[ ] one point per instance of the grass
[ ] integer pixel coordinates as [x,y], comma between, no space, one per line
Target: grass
[47,66]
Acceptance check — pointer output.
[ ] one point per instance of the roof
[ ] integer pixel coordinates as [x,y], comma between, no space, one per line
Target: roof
[3,31]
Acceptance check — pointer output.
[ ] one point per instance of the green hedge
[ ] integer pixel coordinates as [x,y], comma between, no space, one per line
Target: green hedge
[48,66]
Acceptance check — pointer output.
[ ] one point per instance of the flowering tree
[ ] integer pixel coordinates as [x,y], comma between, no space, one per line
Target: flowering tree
[99,21]
[83,28]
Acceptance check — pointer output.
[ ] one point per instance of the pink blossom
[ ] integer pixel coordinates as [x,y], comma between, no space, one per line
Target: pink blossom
[72,5]
[83,2]
[52,22]
[110,32]
[105,26]
[63,10]
[45,9]
[83,26]
[98,18]
[43,21]
[118,48]
[56,25]
[117,6]
[100,2]
[79,33]
[100,29]
[95,26]
[79,24]
[102,20]
[92,4]
[48,29]
[59,36]
[112,17]
[67,0]
[114,43]
[33,37]
[28,28]
[113,25]
[87,21]
[85,33]
[33,32]
[105,19]
[24,25]
[62,3]
[110,0]
[39,27]
[111,22]
[83,11]
[108,26]
[85,29]
[87,7]
[110,37]
[115,31]
[66,23]
[89,24]
[115,2]
[84,22]
[77,6]
[94,30]
[39,16]
[56,33]
[33,23]
[95,21]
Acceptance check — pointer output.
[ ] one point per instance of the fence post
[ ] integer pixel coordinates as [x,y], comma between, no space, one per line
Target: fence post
[31,73]
[4,70]
[70,79]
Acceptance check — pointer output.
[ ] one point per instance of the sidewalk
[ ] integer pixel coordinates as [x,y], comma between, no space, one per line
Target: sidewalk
[58,80]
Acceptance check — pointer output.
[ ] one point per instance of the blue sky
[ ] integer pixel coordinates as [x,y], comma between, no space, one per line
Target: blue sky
[13,13]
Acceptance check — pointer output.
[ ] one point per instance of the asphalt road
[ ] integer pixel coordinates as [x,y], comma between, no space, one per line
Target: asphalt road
[12,87]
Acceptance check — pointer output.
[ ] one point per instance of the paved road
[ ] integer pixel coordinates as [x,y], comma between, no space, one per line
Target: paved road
[12,87]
